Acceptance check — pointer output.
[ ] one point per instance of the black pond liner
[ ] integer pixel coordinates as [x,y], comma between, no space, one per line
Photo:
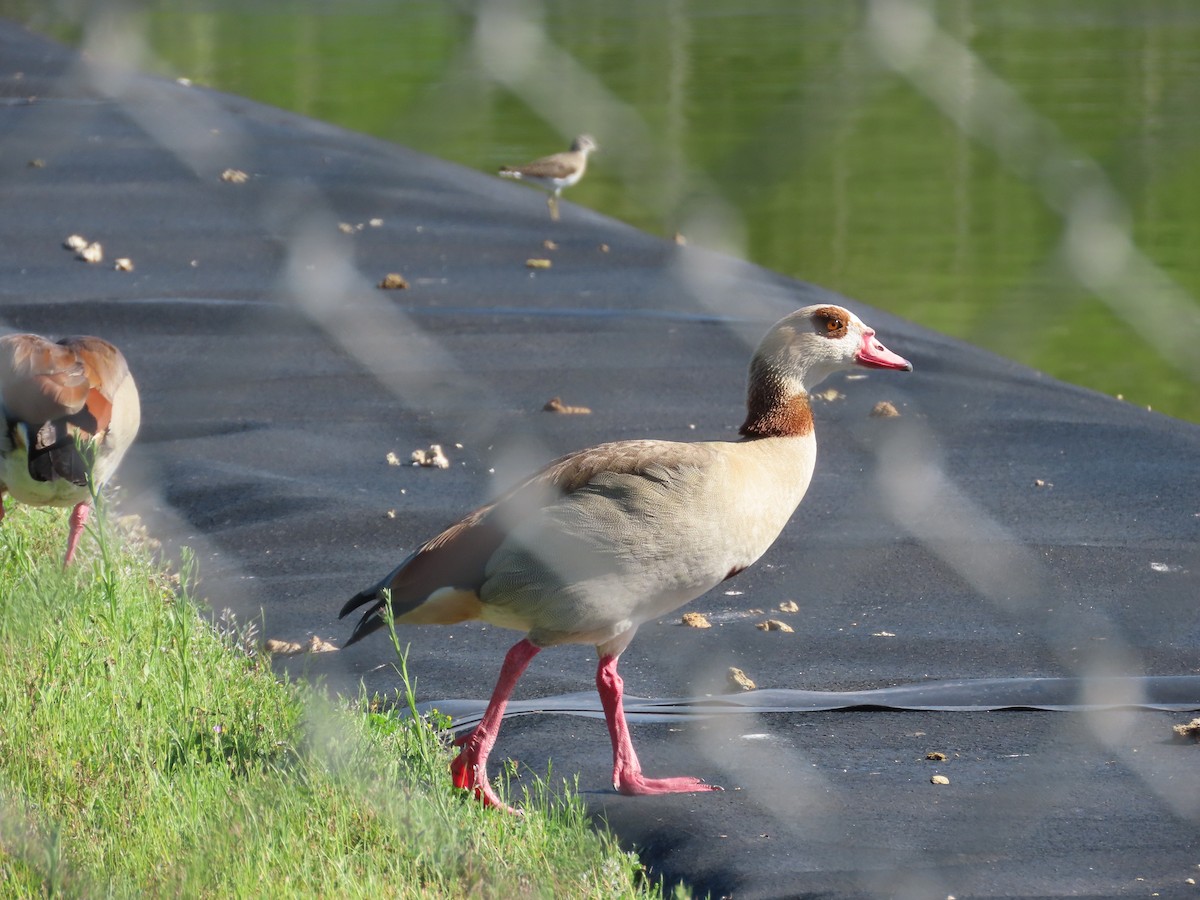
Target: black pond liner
[1075,547]
[1174,693]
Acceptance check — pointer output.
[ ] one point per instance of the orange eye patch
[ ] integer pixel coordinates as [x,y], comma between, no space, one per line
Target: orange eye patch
[833,319]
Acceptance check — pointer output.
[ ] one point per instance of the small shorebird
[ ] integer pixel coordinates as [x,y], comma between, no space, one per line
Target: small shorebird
[608,538]
[553,173]
[70,409]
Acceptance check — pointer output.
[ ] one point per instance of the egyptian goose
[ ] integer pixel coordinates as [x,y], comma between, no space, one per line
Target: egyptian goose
[553,173]
[64,404]
[607,538]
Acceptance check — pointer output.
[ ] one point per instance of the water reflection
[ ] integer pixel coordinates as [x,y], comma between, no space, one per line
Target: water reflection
[1022,175]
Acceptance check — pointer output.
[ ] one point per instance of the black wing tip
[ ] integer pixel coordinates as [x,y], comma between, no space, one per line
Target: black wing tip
[371,619]
[356,601]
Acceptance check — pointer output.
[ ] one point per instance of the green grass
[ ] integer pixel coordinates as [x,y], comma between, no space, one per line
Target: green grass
[147,751]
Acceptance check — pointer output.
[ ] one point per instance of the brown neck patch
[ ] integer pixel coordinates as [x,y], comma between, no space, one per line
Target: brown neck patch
[771,413]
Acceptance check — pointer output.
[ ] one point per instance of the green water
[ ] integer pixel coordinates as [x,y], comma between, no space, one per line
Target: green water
[1023,175]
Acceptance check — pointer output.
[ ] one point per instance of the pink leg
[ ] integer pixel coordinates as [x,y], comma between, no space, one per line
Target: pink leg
[469,768]
[627,771]
[79,517]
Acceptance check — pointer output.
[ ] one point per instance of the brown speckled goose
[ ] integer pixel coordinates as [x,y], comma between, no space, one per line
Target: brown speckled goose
[63,402]
[610,537]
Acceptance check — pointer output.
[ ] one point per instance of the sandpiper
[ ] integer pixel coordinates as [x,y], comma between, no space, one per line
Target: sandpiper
[553,173]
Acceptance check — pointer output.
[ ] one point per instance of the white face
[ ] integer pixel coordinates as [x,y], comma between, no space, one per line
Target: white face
[814,342]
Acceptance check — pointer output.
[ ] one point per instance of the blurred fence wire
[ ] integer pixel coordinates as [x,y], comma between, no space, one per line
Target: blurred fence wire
[1097,244]
[511,47]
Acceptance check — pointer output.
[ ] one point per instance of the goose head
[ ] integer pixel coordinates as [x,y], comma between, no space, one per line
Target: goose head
[799,352]
[806,347]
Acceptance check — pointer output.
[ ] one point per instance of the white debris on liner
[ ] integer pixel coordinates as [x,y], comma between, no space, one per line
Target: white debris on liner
[739,680]
[775,625]
[431,458]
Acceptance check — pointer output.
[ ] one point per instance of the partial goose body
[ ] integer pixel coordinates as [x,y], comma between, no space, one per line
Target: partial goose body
[67,406]
[605,549]
[607,538]
[553,173]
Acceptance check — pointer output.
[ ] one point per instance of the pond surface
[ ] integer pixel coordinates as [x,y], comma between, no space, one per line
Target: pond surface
[1023,175]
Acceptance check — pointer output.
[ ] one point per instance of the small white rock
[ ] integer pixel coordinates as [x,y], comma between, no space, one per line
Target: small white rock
[739,680]
[775,625]
[431,458]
